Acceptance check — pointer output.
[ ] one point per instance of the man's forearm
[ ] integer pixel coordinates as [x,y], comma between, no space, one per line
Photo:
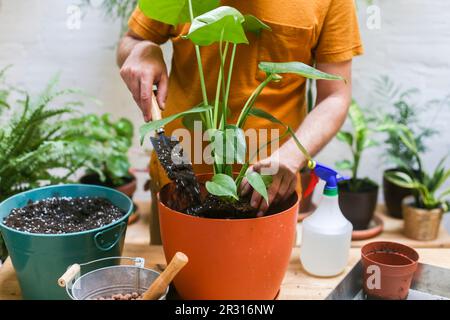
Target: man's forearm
[319,127]
[325,120]
[128,42]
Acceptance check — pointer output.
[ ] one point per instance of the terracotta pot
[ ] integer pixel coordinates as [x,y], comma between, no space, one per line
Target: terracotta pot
[358,207]
[393,196]
[388,269]
[229,258]
[306,205]
[421,224]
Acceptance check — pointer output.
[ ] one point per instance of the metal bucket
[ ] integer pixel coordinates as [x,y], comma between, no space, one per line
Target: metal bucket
[108,281]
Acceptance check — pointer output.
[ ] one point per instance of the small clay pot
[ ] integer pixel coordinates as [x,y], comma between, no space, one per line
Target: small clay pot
[388,269]
[393,196]
[421,224]
[306,205]
[358,207]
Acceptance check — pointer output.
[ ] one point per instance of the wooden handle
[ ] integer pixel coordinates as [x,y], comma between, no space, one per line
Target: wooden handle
[158,287]
[68,276]
[155,110]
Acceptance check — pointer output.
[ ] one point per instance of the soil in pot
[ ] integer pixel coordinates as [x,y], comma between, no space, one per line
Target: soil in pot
[358,206]
[393,196]
[388,269]
[63,215]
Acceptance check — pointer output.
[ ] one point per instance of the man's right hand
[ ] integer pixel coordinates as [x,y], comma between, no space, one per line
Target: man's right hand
[144,67]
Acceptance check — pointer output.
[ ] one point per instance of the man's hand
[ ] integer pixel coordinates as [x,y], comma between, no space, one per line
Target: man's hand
[143,67]
[284,181]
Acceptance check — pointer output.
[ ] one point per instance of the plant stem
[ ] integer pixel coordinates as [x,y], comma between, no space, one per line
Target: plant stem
[251,100]
[200,71]
[227,90]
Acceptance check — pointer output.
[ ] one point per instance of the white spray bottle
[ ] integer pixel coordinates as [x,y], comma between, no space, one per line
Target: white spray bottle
[326,234]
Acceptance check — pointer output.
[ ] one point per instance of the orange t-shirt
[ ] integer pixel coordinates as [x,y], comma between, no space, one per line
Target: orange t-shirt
[302,30]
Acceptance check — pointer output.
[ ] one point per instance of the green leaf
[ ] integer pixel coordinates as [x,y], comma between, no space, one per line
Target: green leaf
[253,24]
[124,127]
[346,137]
[344,165]
[230,145]
[401,179]
[221,24]
[154,125]
[222,185]
[297,68]
[175,11]
[369,143]
[264,115]
[257,182]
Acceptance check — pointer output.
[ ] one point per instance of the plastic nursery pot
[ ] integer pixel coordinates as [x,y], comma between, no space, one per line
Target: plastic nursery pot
[358,207]
[388,269]
[229,258]
[393,196]
[421,224]
[39,259]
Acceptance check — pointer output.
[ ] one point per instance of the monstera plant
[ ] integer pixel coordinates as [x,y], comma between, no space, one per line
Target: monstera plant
[226,26]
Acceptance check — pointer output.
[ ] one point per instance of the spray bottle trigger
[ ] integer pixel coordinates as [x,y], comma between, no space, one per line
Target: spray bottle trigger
[312,184]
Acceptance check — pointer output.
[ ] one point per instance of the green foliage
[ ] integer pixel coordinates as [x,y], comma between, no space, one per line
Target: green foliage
[425,186]
[402,110]
[102,145]
[175,11]
[358,140]
[41,134]
[226,27]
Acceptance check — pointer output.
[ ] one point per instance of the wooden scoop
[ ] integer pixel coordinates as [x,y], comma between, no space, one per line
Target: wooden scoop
[159,286]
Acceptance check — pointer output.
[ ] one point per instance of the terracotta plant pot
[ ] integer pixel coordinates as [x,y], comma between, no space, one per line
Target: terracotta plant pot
[229,258]
[306,205]
[393,196]
[358,207]
[421,224]
[388,269]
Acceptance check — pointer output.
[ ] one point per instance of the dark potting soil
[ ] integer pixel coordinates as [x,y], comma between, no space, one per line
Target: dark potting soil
[179,170]
[63,215]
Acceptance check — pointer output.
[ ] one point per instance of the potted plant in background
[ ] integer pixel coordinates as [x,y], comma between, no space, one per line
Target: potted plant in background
[402,111]
[109,165]
[422,213]
[357,196]
[233,253]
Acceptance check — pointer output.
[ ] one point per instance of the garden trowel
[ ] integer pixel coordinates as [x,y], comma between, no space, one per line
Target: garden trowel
[177,166]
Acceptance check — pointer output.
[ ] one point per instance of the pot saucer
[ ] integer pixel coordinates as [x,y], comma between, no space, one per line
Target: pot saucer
[375,228]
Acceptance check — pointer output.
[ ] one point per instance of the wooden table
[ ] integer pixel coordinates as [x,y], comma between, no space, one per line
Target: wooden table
[296,285]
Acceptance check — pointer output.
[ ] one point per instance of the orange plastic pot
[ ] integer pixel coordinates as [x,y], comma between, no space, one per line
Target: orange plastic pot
[228,258]
[388,269]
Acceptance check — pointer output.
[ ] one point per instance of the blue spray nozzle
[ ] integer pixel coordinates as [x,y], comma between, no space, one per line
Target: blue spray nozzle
[329,175]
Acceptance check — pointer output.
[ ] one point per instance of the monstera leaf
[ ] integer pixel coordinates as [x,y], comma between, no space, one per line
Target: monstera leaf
[175,11]
[296,68]
[221,24]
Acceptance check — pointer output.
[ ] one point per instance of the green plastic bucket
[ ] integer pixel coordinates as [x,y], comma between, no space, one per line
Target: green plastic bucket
[40,259]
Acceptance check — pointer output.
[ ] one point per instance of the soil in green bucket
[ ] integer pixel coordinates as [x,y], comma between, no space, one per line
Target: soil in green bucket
[48,229]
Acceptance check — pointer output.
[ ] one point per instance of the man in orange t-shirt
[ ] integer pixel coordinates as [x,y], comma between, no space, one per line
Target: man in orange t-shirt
[324,32]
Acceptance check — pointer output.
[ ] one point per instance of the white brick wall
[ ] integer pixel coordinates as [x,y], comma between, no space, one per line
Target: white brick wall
[412,47]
